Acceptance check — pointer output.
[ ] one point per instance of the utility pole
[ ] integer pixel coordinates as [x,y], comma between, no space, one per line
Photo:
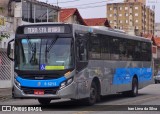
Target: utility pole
[57,2]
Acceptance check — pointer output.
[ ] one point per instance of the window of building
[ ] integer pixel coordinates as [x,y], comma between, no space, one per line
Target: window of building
[120,21]
[126,14]
[33,13]
[136,21]
[136,14]
[126,8]
[136,7]
[120,15]
[115,14]
[120,28]
[110,15]
[110,8]
[110,21]
[120,8]
[126,21]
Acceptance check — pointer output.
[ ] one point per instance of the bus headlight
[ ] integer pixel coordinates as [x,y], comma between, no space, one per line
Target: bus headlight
[67,82]
[17,84]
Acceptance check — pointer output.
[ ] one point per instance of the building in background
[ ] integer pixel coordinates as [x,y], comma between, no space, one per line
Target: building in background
[157,29]
[97,22]
[133,17]
[17,12]
[71,15]
[142,1]
[12,14]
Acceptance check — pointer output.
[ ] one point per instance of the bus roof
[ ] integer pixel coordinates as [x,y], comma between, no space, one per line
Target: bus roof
[96,30]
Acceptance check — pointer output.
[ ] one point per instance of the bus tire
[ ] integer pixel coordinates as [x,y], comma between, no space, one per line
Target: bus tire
[134,91]
[156,81]
[44,101]
[93,95]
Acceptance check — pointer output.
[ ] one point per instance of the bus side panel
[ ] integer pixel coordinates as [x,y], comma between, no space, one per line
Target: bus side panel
[146,76]
[83,83]
[114,76]
[124,71]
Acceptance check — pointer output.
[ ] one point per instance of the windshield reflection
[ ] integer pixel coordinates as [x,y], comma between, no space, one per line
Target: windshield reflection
[44,54]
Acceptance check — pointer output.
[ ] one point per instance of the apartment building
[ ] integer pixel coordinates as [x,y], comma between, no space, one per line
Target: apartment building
[132,17]
[142,1]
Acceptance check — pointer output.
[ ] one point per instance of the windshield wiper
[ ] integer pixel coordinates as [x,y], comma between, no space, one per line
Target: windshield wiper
[33,59]
[47,50]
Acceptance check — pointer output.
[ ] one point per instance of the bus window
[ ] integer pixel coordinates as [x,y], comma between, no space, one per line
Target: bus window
[94,48]
[82,50]
[114,45]
[105,54]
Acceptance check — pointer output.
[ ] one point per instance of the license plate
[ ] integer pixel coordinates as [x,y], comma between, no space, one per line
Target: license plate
[39,92]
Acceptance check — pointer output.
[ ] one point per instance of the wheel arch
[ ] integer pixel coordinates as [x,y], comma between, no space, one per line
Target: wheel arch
[97,82]
[135,76]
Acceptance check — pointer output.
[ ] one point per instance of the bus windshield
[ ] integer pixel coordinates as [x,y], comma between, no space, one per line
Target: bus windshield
[43,54]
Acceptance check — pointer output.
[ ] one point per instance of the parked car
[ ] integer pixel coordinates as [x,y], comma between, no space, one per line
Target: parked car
[157,78]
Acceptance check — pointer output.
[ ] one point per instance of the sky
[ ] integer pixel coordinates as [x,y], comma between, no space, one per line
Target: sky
[97,8]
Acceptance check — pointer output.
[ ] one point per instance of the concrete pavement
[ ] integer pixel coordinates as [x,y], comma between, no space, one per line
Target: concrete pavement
[5,93]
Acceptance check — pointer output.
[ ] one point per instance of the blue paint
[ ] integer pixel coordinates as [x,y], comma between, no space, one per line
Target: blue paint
[42,67]
[40,83]
[24,41]
[125,75]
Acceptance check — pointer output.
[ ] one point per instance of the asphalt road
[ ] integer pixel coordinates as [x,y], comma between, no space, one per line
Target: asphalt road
[148,96]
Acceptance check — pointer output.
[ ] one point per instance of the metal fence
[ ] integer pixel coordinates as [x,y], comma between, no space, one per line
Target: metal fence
[5,69]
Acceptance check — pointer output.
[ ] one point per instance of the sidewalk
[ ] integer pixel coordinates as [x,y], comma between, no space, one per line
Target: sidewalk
[5,93]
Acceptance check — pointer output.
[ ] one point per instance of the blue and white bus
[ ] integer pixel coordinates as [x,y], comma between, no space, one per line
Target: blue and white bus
[56,60]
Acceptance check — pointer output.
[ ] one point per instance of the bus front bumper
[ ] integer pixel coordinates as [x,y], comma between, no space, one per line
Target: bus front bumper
[66,92]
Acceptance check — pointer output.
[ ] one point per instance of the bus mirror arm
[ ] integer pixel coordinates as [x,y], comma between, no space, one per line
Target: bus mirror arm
[9,50]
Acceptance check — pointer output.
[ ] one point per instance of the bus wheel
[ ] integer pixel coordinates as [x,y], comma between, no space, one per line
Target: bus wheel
[134,91]
[43,101]
[93,95]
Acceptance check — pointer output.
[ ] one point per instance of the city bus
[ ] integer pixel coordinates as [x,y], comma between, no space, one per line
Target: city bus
[57,60]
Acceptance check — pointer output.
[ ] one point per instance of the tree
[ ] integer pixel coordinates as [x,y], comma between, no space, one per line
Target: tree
[4,35]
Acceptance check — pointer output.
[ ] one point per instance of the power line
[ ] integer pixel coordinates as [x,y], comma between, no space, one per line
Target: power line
[87,7]
[90,3]
[66,2]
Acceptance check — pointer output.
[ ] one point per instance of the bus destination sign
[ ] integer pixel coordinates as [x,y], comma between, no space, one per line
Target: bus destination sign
[43,29]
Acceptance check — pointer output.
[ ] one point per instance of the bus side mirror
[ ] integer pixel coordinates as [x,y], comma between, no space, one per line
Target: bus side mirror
[9,50]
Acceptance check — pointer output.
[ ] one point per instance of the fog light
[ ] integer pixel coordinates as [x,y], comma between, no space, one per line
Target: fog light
[63,85]
[69,81]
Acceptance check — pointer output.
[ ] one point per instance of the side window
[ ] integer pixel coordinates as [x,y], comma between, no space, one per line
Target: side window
[82,48]
[122,49]
[105,54]
[94,48]
[137,54]
[146,51]
[114,46]
[149,50]
[130,48]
